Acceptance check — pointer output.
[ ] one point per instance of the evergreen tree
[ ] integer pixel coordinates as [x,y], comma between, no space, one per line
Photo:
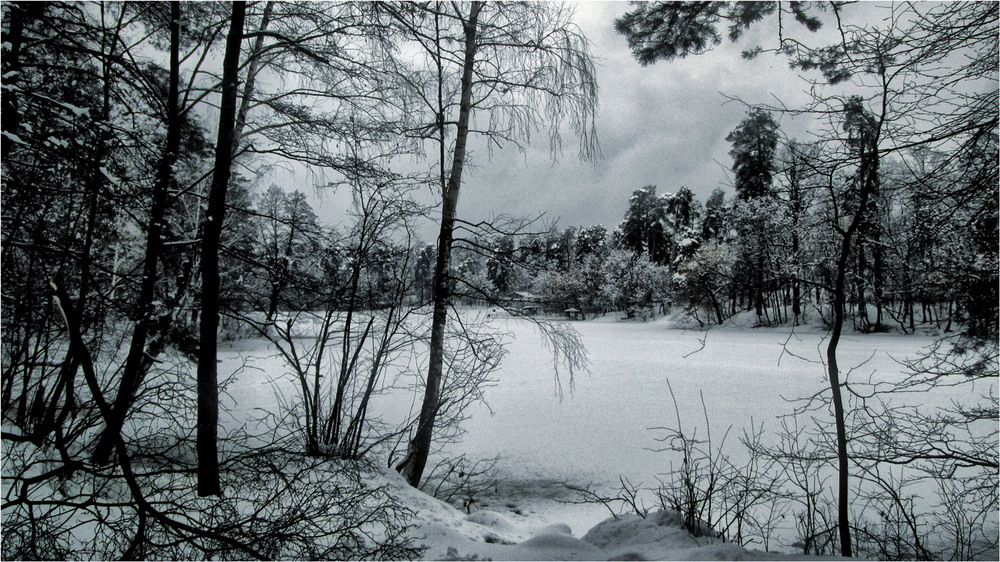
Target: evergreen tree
[644,230]
[755,141]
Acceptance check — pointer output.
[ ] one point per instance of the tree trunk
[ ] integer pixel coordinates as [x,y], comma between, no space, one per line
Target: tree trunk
[281,275]
[95,186]
[252,71]
[208,383]
[715,303]
[241,121]
[878,274]
[797,265]
[839,301]
[135,362]
[412,466]
[758,282]
[861,321]
[869,177]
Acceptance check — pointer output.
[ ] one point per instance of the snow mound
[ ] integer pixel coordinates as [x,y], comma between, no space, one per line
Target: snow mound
[556,546]
[556,529]
[447,533]
[493,520]
[659,536]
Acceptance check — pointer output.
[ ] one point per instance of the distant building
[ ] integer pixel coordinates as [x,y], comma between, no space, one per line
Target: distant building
[522,302]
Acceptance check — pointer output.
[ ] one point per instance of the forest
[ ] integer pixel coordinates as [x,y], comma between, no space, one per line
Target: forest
[159,165]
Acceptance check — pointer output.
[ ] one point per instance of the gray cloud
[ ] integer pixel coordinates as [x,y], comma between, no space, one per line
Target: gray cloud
[663,125]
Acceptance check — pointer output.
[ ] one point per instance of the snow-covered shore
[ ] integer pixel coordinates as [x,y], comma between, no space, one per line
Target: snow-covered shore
[449,534]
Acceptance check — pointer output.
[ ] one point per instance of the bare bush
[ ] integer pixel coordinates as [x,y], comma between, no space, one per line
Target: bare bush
[279,504]
[715,495]
[627,499]
[460,481]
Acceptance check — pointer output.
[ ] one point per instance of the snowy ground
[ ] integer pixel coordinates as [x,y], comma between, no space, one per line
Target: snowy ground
[602,432]
[450,534]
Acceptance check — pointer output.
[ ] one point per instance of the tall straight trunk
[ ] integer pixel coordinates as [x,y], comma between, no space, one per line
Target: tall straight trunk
[878,274]
[796,297]
[862,321]
[256,62]
[796,197]
[136,360]
[412,466]
[281,275]
[208,382]
[758,284]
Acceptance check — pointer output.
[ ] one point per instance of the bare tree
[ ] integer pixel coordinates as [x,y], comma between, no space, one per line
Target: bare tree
[344,342]
[136,362]
[94,193]
[514,65]
[208,385]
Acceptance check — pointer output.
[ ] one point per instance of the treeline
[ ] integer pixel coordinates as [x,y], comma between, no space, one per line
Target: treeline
[925,254]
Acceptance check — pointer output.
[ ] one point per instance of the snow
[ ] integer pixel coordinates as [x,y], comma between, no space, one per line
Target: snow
[604,428]
[110,177]
[602,431]
[14,138]
[660,536]
[449,534]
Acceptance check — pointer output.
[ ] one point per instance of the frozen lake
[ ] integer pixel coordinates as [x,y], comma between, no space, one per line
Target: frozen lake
[602,429]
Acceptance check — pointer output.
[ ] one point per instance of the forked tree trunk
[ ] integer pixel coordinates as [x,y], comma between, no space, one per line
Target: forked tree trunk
[412,465]
[136,361]
[208,382]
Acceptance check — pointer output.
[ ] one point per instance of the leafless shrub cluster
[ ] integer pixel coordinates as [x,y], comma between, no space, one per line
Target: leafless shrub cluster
[279,503]
[925,479]
[460,481]
[715,495]
[626,500]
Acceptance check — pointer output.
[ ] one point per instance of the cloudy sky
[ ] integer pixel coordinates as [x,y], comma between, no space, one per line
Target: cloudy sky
[662,125]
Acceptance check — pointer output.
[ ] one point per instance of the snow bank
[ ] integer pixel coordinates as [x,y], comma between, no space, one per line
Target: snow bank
[449,534]
[661,536]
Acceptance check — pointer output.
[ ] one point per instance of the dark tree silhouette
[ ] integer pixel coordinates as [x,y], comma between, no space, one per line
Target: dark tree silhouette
[208,382]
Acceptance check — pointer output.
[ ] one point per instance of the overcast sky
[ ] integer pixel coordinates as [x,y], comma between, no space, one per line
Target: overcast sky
[663,125]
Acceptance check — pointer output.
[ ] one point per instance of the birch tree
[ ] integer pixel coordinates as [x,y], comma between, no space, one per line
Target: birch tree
[501,71]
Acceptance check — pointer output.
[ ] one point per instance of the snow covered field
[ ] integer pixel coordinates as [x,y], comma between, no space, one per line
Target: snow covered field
[602,430]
